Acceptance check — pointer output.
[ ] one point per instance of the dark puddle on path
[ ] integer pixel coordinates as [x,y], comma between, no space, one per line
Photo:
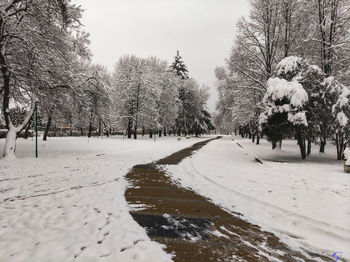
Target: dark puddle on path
[193,228]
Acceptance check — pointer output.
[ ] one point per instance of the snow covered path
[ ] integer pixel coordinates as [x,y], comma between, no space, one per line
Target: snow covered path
[69,204]
[306,204]
[195,229]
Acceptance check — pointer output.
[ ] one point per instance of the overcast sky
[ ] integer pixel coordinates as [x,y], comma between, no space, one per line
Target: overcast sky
[202,30]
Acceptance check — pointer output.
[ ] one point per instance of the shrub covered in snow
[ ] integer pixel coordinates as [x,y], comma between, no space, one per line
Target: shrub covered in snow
[285,97]
[341,107]
[284,101]
[302,101]
[289,67]
[341,113]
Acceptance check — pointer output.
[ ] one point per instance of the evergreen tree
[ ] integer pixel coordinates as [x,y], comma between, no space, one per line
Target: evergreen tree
[179,67]
[285,100]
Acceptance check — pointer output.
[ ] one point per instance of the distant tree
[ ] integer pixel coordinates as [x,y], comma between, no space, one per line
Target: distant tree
[168,103]
[179,66]
[146,93]
[202,124]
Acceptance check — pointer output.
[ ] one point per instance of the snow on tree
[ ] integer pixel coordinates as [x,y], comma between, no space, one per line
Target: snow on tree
[168,103]
[319,105]
[341,111]
[308,105]
[146,93]
[333,25]
[284,103]
[200,118]
[35,36]
[252,61]
[192,116]
[318,31]
[127,84]
[179,66]
[289,67]
[237,106]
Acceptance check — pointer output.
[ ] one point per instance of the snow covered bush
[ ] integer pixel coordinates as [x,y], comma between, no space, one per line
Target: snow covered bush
[285,97]
[289,67]
[319,105]
[302,101]
[284,102]
[341,113]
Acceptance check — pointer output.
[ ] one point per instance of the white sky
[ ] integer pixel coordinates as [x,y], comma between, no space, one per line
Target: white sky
[202,30]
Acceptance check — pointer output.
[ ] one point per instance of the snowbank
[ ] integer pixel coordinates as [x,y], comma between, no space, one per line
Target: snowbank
[69,204]
[306,204]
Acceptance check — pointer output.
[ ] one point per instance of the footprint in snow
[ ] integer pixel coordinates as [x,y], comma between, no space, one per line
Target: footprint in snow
[102,237]
[128,247]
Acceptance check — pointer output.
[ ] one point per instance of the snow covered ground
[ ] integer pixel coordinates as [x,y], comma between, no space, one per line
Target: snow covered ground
[306,203]
[69,204]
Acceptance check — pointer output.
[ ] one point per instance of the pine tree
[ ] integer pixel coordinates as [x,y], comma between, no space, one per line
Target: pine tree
[179,67]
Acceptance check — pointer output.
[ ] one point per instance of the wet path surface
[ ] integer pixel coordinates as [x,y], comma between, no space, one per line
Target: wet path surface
[192,227]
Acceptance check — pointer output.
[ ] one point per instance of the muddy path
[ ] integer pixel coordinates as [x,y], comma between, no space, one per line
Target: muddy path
[191,226]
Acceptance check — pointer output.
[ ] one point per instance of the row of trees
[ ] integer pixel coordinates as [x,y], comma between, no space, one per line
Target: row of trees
[45,63]
[150,95]
[285,46]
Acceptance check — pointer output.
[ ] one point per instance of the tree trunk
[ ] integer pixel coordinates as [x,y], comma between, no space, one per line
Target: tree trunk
[308,147]
[253,138]
[274,144]
[70,129]
[160,133]
[143,130]
[10,143]
[129,128]
[164,131]
[150,133]
[280,144]
[341,145]
[258,138]
[135,131]
[302,146]
[90,129]
[47,128]
[322,145]
[99,127]
[6,90]
[11,136]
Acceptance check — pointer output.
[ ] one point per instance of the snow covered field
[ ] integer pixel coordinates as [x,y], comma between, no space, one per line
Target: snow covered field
[69,204]
[307,204]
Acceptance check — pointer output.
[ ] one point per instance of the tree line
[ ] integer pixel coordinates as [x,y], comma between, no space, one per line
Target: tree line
[45,63]
[288,74]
